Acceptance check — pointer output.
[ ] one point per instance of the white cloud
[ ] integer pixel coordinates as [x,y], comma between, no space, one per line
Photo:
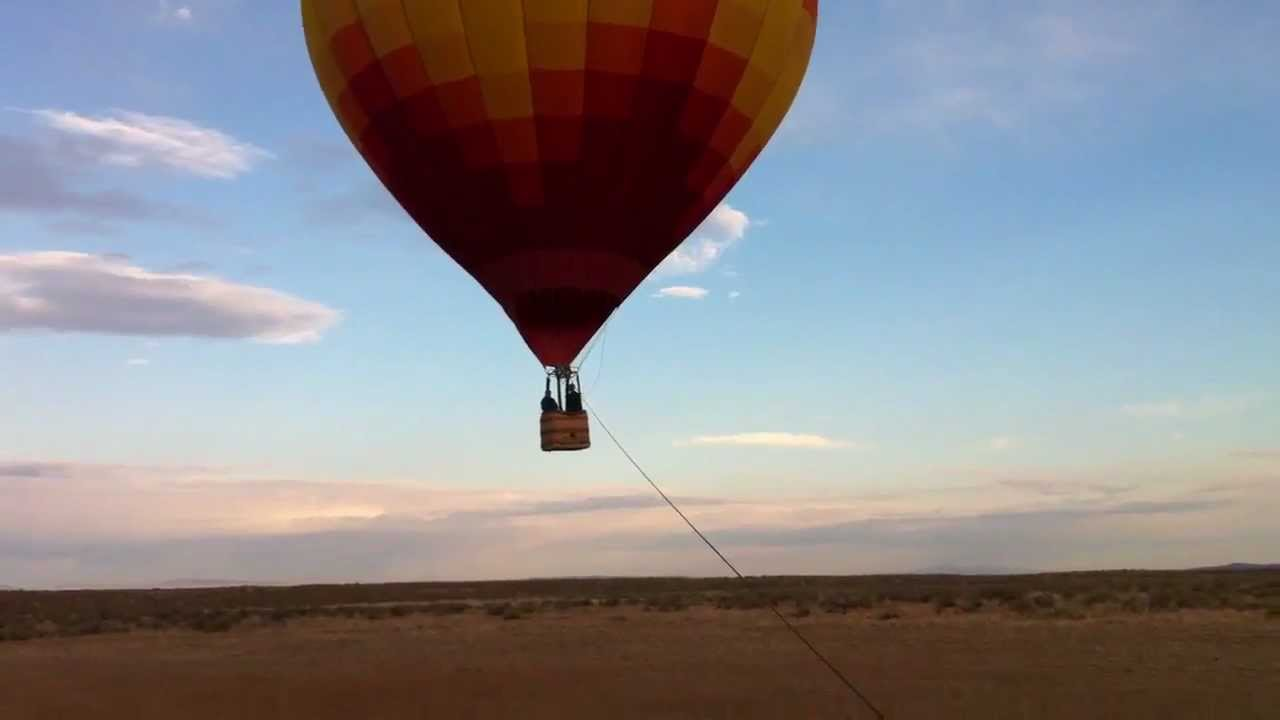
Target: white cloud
[46,178]
[1257,454]
[138,362]
[68,523]
[927,66]
[734,295]
[725,226]
[133,139]
[1165,409]
[768,439]
[167,12]
[1206,407]
[1000,443]
[683,292]
[77,292]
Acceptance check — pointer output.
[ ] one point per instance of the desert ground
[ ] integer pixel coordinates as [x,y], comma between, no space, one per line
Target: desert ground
[955,647]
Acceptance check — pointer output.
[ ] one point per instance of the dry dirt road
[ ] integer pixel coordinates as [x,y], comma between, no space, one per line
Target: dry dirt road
[623,664]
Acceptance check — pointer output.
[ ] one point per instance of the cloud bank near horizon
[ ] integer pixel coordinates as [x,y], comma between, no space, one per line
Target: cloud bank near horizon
[71,524]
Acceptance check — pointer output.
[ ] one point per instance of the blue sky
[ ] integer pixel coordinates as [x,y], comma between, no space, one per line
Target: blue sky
[1003,290]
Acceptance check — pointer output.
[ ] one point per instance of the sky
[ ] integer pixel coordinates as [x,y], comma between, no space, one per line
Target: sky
[1002,292]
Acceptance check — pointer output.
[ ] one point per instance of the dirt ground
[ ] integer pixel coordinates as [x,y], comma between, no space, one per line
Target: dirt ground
[623,663]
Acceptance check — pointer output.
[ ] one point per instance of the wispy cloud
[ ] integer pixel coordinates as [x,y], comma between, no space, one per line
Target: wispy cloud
[1209,406]
[138,362]
[683,292]
[937,67]
[40,178]
[77,292]
[721,230]
[768,439]
[68,523]
[1001,443]
[174,13]
[134,139]
[1258,454]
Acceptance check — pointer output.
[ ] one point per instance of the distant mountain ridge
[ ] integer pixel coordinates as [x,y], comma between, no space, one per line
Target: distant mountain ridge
[208,583]
[972,570]
[954,570]
[1242,567]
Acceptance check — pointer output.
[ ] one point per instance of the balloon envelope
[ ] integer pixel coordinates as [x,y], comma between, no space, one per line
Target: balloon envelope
[559,150]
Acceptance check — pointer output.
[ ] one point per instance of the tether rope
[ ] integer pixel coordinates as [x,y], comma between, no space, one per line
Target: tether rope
[773,605]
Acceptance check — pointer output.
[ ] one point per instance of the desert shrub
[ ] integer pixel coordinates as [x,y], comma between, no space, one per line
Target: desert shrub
[841,603]
[943,602]
[448,608]
[1001,594]
[376,612]
[1067,612]
[745,601]
[836,604]
[17,633]
[969,604]
[888,614]
[1138,602]
[1273,613]
[513,613]
[1099,597]
[668,603]
[115,626]
[281,615]
[1193,599]
[497,609]
[79,629]
[1163,600]
[213,622]
[611,601]
[1244,603]
[802,611]
[1036,602]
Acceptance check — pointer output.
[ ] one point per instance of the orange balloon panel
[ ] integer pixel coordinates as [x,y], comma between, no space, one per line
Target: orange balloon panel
[559,150]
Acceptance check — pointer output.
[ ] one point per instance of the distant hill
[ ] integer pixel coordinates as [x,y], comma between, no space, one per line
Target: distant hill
[207,583]
[1242,567]
[972,570]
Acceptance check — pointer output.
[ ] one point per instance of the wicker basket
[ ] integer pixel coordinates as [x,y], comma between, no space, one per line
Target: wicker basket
[565,431]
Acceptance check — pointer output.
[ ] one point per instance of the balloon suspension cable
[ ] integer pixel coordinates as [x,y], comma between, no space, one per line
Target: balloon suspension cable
[773,604]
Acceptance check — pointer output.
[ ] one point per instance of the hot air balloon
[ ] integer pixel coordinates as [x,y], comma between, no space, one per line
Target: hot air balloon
[560,150]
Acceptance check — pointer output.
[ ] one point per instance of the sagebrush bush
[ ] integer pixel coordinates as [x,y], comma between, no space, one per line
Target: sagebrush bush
[1138,602]
[447,608]
[1099,597]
